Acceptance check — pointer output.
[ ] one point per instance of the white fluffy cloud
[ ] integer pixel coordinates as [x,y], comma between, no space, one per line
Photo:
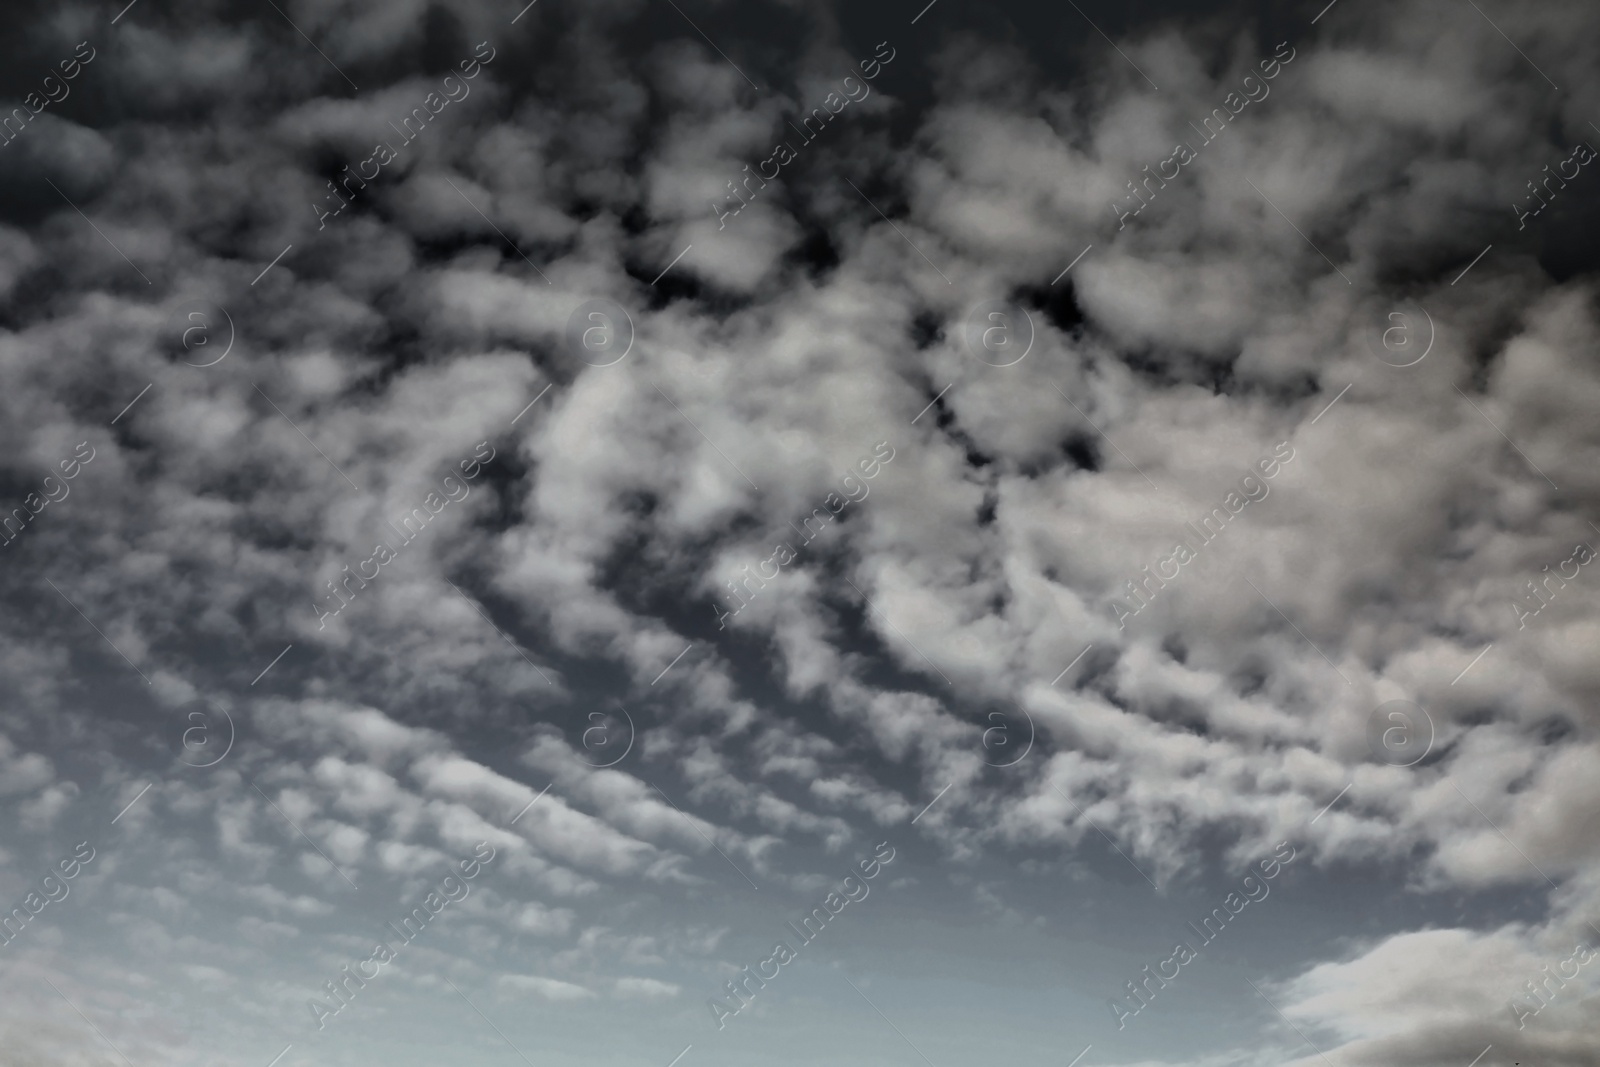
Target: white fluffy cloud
[589,654]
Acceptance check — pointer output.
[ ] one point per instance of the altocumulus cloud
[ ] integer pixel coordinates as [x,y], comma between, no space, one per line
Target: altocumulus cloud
[542,671]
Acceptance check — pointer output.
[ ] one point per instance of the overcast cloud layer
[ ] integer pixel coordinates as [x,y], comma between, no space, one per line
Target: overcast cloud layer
[513,514]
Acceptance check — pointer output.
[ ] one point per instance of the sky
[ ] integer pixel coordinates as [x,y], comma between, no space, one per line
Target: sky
[673,533]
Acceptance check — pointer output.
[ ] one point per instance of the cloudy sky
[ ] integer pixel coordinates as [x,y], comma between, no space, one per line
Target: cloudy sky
[641,533]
